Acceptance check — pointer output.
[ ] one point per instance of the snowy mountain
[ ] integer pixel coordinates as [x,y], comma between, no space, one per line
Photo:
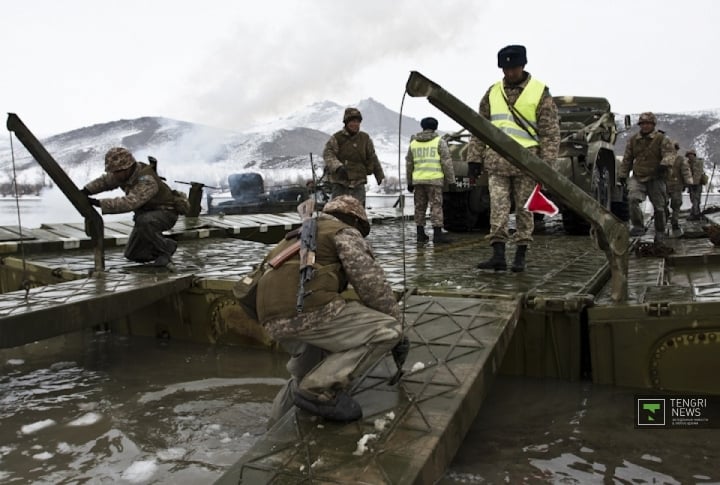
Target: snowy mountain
[279,150]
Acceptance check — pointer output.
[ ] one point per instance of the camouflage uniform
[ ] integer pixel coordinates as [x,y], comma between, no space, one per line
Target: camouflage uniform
[331,343]
[152,201]
[679,177]
[354,152]
[505,180]
[430,191]
[646,155]
[697,167]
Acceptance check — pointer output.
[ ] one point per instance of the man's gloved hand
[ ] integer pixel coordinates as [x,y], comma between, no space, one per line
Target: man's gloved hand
[623,181]
[85,191]
[411,187]
[342,173]
[379,180]
[94,201]
[452,187]
[662,171]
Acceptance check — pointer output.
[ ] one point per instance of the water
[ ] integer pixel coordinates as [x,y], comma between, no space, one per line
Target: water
[108,409]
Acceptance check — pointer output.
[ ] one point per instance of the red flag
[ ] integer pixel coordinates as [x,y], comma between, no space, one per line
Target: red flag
[537,202]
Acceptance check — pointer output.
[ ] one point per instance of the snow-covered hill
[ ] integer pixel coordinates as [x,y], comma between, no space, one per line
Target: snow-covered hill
[280,150]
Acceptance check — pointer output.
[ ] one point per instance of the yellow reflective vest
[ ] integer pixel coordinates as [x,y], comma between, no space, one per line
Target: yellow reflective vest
[526,105]
[426,160]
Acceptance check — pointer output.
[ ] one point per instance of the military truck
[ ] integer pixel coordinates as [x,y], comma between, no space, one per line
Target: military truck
[587,157]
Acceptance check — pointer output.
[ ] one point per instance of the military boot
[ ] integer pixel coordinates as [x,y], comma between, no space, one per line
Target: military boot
[497,260]
[342,408]
[421,236]
[518,265]
[439,237]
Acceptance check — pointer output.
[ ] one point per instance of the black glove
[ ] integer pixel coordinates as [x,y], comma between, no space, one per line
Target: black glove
[622,180]
[662,171]
[452,187]
[411,187]
[342,173]
[85,191]
[94,201]
[400,351]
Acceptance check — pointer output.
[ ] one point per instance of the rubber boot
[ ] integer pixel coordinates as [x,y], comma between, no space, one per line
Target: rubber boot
[439,237]
[518,265]
[421,236]
[497,260]
[342,409]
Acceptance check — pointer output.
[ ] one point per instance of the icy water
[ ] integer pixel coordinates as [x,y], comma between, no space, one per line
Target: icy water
[109,409]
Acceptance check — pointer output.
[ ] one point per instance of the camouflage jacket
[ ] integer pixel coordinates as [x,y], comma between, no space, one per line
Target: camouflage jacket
[644,154]
[548,132]
[697,167]
[364,274]
[356,153]
[143,190]
[445,160]
[680,174]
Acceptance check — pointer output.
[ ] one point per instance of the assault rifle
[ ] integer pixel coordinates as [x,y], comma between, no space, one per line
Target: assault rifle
[308,246]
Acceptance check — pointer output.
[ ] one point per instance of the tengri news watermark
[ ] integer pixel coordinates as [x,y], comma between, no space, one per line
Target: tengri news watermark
[677,411]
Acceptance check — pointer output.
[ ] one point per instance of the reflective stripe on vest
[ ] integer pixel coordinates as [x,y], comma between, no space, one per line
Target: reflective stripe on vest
[526,105]
[426,160]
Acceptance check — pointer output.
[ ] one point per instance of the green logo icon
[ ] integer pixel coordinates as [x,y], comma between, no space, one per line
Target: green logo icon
[650,412]
[651,407]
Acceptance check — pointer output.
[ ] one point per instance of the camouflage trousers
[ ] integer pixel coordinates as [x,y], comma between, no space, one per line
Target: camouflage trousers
[358,191]
[331,355]
[695,196]
[655,190]
[675,196]
[502,188]
[423,195]
[146,241]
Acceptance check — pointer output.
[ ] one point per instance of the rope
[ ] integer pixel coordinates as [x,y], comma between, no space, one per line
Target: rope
[26,281]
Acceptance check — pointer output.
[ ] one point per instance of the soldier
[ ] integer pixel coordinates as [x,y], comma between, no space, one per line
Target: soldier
[350,157]
[147,195]
[678,178]
[523,108]
[650,154]
[697,167]
[428,168]
[332,341]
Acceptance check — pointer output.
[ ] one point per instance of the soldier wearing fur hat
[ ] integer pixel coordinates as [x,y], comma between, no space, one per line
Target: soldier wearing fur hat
[429,167]
[522,107]
[349,157]
[650,155]
[333,340]
[148,196]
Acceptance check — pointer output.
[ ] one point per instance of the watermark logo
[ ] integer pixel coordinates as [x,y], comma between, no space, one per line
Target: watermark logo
[677,411]
[650,412]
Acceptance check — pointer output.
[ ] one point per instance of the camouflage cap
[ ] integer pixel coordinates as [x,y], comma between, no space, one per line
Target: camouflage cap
[117,159]
[347,205]
[351,113]
[647,116]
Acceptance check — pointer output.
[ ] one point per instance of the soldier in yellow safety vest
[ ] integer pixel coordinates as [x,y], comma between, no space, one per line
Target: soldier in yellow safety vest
[429,167]
[522,107]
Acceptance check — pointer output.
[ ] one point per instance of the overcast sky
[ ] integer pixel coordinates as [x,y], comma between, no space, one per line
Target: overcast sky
[231,64]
